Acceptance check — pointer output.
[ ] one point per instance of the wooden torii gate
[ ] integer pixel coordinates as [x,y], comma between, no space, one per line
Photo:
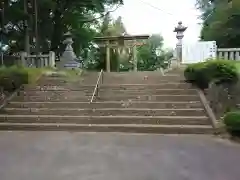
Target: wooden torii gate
[117,42]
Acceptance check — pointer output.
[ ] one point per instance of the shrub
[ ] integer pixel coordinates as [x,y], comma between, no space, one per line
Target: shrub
[232,122]
[218,71]
[196,74]
[222,71]
[12,78]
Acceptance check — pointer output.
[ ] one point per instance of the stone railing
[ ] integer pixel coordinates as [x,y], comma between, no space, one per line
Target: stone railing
[229,53]
[39,61]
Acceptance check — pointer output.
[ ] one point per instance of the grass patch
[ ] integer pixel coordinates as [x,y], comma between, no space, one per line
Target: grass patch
[69,74]
[11,78]
[73,73]
[238,66]
[35,73]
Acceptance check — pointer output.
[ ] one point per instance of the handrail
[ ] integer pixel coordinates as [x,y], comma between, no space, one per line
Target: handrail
[97,85]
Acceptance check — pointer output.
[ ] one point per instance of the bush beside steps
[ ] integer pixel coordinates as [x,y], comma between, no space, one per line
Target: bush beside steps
[217,71]
[232,122]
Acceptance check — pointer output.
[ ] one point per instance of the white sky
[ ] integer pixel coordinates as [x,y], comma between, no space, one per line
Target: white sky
[140,17]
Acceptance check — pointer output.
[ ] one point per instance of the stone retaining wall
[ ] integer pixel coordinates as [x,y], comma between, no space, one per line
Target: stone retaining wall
[223,98]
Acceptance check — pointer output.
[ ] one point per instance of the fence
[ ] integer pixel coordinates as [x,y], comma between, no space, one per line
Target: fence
[229,53]
[42,60]
[39,61]
[203,50]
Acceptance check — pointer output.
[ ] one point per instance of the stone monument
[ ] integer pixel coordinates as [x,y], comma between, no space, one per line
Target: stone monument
[68,59]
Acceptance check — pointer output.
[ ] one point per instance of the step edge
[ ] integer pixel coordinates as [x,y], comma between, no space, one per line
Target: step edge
[105,109]
[104,102]
[68,116]
[108,125]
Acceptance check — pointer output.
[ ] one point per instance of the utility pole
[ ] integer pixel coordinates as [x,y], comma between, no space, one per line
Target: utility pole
[36,25]
[26,42]
[2,16]
[2,31]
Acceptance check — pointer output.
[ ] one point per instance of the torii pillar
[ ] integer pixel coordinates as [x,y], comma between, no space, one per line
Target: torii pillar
[108,65]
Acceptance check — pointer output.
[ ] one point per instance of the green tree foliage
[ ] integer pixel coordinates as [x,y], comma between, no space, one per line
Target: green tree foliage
[221,22]
[97,56]
[151,55]
[55,17]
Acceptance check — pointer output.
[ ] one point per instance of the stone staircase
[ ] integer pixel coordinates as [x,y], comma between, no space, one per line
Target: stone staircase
[140,102]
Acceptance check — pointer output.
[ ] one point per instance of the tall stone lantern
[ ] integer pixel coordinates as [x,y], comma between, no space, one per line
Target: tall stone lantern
[68,59]
[180,29]
[68,54]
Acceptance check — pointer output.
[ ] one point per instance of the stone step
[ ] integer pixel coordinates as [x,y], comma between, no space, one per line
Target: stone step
[149,91]
[132,79]
[156,74]
[110,92]
[65,79]
[138,81]
[176,120]
[76,87]
[160,98]
[53,98]
[107,104]
[169,85]
[56,93]
[130,128]
[79,83]
[59,88]
[104,111]
[122,97]
[143,78]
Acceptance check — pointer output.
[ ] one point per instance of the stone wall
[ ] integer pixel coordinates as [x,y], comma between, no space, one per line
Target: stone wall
[223,98]
[2,96]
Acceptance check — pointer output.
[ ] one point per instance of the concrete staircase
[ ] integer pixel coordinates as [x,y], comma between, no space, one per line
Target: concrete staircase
[141,102]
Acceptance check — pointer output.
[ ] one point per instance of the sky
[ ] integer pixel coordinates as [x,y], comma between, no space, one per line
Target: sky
[161,17]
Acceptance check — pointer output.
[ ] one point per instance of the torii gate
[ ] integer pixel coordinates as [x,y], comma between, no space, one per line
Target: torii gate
[119,41]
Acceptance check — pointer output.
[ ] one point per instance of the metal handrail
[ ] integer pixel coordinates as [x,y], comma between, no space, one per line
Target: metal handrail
[100,76]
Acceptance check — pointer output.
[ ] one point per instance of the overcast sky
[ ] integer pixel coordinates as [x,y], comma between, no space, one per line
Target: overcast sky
[140,17]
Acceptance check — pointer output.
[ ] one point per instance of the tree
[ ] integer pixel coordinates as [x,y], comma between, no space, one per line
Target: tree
[55,18]
[108,27]
[222,23]
[151,56]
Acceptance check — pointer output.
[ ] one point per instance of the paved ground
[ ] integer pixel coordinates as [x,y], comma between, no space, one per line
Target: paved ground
[90,156]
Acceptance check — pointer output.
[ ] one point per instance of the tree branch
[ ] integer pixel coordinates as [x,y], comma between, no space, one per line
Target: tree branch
[103,15]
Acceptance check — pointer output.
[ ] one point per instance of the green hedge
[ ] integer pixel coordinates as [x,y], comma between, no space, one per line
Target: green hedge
[232,122]
[218,71]
[13,77]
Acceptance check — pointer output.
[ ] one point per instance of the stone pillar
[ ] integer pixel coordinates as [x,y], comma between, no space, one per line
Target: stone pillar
[180,29]
[51,59]
[108,65]
[118,58]
[135,56]
[23,56]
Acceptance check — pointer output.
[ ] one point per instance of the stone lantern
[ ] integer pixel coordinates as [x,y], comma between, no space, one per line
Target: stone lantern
[180,29]
[68,54]
[68,59]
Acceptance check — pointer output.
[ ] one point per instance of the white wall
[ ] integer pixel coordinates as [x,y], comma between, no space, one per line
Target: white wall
[198,52]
